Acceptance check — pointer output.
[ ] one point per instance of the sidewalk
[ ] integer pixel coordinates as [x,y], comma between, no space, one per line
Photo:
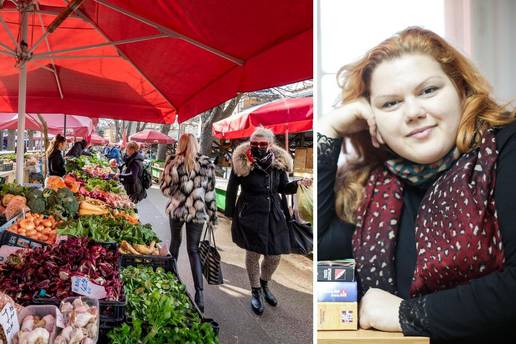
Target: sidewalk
[290,322]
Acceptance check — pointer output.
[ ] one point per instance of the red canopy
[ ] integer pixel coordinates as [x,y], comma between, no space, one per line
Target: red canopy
[292,114]
[154,59]
[75,125]
[96,139]
[152,136]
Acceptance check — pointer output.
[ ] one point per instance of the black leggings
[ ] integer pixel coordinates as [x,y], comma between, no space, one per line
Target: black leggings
[193,236]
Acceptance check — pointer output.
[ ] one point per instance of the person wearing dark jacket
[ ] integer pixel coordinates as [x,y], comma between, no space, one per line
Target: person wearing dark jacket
[189,183]
[77,149]
[132,172]
[259,224]
[56,163]
[426,203]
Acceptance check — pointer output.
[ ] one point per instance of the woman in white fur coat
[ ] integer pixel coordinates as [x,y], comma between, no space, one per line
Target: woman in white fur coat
[189,182]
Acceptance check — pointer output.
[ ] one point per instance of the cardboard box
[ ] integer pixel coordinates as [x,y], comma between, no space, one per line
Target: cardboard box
[336,291]
[337,316]
[336,271]
[300,159]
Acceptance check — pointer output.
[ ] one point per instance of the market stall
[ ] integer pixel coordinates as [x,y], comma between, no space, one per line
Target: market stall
[81,236]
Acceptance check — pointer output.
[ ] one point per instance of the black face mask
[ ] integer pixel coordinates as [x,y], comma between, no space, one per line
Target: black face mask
[258,152]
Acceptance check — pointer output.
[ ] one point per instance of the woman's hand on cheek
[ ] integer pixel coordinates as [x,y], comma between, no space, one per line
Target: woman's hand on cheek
[379,309]
[347,119]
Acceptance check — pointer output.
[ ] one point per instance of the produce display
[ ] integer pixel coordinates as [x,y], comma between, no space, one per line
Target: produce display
[81,322]
[46,272]
[109,229]
[35,329]
[98,224]
[152,249]
[37,227]
[159,311]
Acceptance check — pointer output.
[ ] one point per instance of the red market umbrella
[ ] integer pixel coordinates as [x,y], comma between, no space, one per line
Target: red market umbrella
[149,60]
[96,139]
[282,116]
[152,136]
[75,126]
[146,60]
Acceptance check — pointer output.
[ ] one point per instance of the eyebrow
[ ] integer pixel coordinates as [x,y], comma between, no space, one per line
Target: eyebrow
[418,86]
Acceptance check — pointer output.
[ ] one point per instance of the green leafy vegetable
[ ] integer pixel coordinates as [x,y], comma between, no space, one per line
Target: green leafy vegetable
[159,310]
[109,229]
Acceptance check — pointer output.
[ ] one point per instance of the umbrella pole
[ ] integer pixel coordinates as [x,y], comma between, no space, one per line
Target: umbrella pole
[22,98]
[64,125]
[286,140]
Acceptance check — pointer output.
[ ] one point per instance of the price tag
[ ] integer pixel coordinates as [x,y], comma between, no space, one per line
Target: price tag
[9,322]
[83,286]
[59,319]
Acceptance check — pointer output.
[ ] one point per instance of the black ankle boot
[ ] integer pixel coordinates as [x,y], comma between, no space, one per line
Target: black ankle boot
[271,300]
[257,301]
[199,299]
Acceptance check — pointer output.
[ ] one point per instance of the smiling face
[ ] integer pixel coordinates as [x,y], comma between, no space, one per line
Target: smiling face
[416,106]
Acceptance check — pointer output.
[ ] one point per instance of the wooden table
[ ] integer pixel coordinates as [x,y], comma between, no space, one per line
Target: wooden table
[367,337]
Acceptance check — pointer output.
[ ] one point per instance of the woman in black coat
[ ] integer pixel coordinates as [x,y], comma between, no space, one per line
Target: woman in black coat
[259,225]
[132,173]
[56,163]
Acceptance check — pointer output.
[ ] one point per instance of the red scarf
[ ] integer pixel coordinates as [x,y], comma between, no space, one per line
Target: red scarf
[457,231]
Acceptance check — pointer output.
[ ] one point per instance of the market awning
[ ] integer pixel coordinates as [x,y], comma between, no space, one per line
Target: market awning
[75,125]
[152,136]
[96,139]
[147,60]
[290,115]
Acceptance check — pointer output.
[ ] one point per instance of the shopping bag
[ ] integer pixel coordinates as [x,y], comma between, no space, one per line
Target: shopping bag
[301,235]
[210,258]
[305,203]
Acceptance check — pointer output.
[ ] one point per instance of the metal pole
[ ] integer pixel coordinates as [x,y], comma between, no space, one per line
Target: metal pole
[22,98]
[64,129]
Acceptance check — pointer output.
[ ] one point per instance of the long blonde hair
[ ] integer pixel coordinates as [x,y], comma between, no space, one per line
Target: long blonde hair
[479,110]
[188,148]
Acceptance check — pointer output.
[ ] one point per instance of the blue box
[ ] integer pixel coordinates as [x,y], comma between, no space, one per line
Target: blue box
[336,291]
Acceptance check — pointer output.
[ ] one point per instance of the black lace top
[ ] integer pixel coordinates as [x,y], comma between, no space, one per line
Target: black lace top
[485,308]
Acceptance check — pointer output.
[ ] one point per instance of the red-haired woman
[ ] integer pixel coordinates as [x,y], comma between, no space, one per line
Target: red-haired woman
[425,204]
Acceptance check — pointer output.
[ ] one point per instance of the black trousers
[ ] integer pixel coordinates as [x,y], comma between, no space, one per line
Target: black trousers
[193,237]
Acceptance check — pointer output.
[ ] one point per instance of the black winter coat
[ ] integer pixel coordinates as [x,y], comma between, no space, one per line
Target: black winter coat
[259,223]
[56,164]
[76,150]
[131,177]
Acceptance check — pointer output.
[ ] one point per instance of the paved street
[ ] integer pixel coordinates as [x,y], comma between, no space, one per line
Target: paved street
[290,322]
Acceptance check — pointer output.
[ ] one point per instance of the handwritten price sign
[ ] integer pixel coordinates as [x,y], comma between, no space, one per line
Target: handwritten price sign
[9,322]
[83,286]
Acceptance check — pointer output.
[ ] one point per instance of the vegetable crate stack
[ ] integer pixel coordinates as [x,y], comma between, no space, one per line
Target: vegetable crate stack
[337,295]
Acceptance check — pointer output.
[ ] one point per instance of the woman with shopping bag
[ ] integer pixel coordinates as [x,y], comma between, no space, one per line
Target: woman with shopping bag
[259,223]
[189,182]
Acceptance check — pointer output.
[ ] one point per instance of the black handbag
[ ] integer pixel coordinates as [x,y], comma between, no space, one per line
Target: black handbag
[301,235]
[210,258]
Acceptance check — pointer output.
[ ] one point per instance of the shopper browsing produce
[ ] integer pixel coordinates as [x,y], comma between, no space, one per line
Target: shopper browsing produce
[132,172]
[56,163]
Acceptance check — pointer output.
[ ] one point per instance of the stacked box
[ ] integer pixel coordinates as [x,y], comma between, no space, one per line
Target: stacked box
[337,295]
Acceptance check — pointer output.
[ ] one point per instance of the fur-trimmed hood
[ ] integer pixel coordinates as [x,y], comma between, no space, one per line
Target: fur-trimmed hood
[242,166]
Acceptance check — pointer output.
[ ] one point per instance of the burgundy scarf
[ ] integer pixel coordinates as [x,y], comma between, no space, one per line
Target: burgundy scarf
[457,231]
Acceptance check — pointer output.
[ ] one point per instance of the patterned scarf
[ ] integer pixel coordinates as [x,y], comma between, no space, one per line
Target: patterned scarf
[265,163]
[417,174]
[457,231]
